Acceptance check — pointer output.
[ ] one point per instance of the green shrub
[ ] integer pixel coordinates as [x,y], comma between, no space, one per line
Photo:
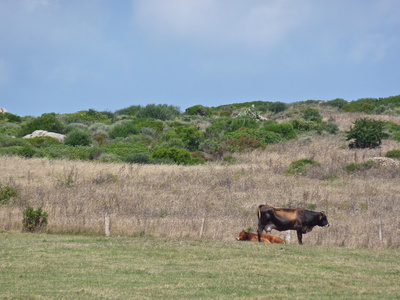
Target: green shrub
[109,158]
[66,152]
[208,146]
[366,133]
[87,116]
[243,143]
[123,130]
[48,122]
[301,166]
[311,114]
[9,117]
[6,193]
[99,128]
[226,125]
[123,149]
[27,151]
[355,167]
[178,156]
[95,152]
[138,158]
[303,125]
[311,206]
[329,127]
[130,111]
[78,138]
[198,110]
[34,220]
[338,102]
[191,136]
[393,154]
[396,137]
[285,129]
[75,126]
[277,107]
[43,141]
[11,141]
[161,112]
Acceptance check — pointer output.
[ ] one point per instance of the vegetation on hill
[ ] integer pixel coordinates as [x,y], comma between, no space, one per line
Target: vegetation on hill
[163,134]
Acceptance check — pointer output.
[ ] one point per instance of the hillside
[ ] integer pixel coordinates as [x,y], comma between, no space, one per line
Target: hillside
[248,162]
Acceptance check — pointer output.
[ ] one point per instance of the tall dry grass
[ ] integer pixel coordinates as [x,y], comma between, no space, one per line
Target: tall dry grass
[172,201]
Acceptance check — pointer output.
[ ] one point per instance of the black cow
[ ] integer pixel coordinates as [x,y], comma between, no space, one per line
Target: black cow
[281,219]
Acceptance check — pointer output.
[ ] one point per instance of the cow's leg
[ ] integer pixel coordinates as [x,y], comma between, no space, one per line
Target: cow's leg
[259,232]
[300,236]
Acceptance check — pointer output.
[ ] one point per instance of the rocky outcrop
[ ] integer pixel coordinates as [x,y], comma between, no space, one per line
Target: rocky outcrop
[3,110]
[37,133]
[386,162]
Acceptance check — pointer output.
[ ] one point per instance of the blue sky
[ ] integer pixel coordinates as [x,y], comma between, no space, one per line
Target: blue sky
[65,56]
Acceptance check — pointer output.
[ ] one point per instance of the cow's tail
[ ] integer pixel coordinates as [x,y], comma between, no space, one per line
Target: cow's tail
[259,211]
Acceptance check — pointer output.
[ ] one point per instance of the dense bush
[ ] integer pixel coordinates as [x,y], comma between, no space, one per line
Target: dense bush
[6,193]
[123,130]
[259,134]
[154,124]
[75,126]
[66,152]
[366,133]
[301,166]
[87,116]
[277,107]
[311,114]
[122,149]
[175,155]
[198,110]
[285,129]
[43,141]
[395,153]
[369,105]
[243,143]
[48,122]
[191,137]
[338,103]
[138,158]
[78,138]
[129,111]
[354,167]
[160,112]
[11,141]
[10,117]
[302,125]
[329,127]
[225,125]
[34,220]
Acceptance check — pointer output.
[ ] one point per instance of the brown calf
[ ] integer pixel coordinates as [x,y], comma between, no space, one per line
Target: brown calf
[265,238]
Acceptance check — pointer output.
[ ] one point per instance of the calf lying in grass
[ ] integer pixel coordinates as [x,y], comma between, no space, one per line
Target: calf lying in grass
[265,238]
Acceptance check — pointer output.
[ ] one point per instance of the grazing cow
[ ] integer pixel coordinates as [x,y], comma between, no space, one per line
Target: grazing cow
[281,219]
[265,238]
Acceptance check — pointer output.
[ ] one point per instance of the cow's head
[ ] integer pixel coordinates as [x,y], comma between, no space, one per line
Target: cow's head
[323,221]
[242,236]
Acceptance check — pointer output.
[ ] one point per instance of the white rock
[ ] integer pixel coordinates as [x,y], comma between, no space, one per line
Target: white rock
[37,133]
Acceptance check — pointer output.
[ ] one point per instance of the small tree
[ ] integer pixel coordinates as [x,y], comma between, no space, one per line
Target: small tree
[366,133]
[78,138]
[34,220]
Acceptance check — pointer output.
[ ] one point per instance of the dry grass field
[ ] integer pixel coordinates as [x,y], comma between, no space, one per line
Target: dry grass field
[176,201]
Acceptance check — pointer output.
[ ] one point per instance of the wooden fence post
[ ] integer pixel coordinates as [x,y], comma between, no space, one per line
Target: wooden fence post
[107,223]
[202,227]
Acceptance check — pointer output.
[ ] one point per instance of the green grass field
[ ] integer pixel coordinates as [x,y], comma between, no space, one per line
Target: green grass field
[42,266]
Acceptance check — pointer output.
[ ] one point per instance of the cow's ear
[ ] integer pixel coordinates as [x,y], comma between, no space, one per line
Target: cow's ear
[322,215]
